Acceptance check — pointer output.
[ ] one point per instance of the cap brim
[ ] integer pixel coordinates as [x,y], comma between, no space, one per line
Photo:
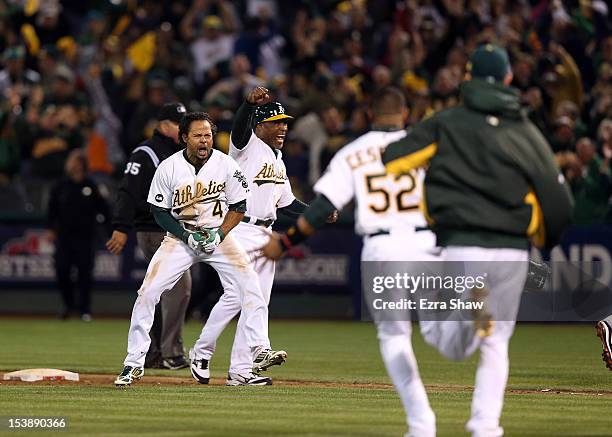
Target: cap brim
[276,118]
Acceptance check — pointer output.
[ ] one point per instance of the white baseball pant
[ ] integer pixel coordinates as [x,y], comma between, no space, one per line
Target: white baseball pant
[251,238]
[404,245]
[506,271]
[167,266]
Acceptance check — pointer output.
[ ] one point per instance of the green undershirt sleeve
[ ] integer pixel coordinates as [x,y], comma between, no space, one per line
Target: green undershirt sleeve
[318,211]
[169,223]
[294,209]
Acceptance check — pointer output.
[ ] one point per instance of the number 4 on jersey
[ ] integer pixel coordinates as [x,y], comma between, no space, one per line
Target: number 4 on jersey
[217,210]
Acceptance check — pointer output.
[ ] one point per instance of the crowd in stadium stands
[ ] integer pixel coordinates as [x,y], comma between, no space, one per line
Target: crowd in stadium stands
[93,74]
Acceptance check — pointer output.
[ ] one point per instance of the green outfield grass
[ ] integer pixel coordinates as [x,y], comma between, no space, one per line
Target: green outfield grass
[554,357]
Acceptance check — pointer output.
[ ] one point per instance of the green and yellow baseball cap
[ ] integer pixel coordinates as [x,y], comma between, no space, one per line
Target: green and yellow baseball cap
[272,111]
[489,62]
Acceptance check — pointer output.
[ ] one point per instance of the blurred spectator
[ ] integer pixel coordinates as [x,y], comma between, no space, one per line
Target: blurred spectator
[337,135]
[51,23]
[591,181]
[75,208]
[15,77]
[10,153]
[211,37]
[144,119]
[320,131]
[55,135]
[562,81]
[445,92]
[563,137]
[295,157]
[217,109]
[104,148]
[236,87]
[261,44]
[381,77]
[570,110]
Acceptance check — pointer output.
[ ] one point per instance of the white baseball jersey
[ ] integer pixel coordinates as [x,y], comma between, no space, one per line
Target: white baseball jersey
[267,176]
[200,199]
[383,201]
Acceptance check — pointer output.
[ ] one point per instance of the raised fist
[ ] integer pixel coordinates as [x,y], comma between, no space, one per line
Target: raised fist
[259,96]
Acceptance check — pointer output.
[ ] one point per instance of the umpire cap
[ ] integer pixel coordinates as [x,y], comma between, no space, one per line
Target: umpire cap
[272,111]
[489,62]
[172,111]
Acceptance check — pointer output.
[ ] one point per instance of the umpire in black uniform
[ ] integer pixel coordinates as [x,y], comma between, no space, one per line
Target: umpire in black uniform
[132,210]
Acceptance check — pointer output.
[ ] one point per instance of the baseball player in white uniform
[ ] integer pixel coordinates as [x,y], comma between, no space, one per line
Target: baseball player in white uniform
[387,216]
[258,134]
[198,196]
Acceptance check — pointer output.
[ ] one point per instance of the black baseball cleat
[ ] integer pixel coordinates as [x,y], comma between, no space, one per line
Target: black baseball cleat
[199,368]
[174,363]
[236,379]
[604,332]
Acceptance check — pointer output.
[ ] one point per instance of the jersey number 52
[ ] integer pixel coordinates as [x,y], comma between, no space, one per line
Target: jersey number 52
[374,183]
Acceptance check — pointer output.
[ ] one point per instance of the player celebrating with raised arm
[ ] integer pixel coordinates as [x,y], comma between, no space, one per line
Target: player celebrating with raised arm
[198,196]
[386,216]
[258,135]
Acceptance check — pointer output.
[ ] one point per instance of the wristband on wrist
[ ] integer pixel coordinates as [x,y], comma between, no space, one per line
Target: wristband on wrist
[221,233]
[295,236]
[285,243]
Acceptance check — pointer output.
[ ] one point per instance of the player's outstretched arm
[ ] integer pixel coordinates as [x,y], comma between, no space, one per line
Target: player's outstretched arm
[297,208]
[242,126]
[313,218]
[412,151]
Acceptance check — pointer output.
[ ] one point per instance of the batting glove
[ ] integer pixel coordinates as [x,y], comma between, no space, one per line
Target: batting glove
[196,241]
[215,237]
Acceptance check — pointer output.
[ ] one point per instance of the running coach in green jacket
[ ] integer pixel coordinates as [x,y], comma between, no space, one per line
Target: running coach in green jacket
[491,185]
[492,180]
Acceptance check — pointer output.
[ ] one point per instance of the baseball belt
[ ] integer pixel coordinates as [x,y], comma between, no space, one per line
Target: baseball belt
[258,222]
[194,228]
[377,233]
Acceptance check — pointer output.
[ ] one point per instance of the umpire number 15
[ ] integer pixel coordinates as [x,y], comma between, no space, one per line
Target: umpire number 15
[374,183]
[132,168]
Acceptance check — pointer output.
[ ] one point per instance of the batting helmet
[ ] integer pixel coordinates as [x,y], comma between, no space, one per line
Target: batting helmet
[272,111]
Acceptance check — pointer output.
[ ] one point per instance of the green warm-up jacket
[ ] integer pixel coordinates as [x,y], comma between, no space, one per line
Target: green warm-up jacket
[491,179]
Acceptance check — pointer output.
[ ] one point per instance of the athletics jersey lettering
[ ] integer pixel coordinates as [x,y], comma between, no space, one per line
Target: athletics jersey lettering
[187,195]
[266,175]
[281,178]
